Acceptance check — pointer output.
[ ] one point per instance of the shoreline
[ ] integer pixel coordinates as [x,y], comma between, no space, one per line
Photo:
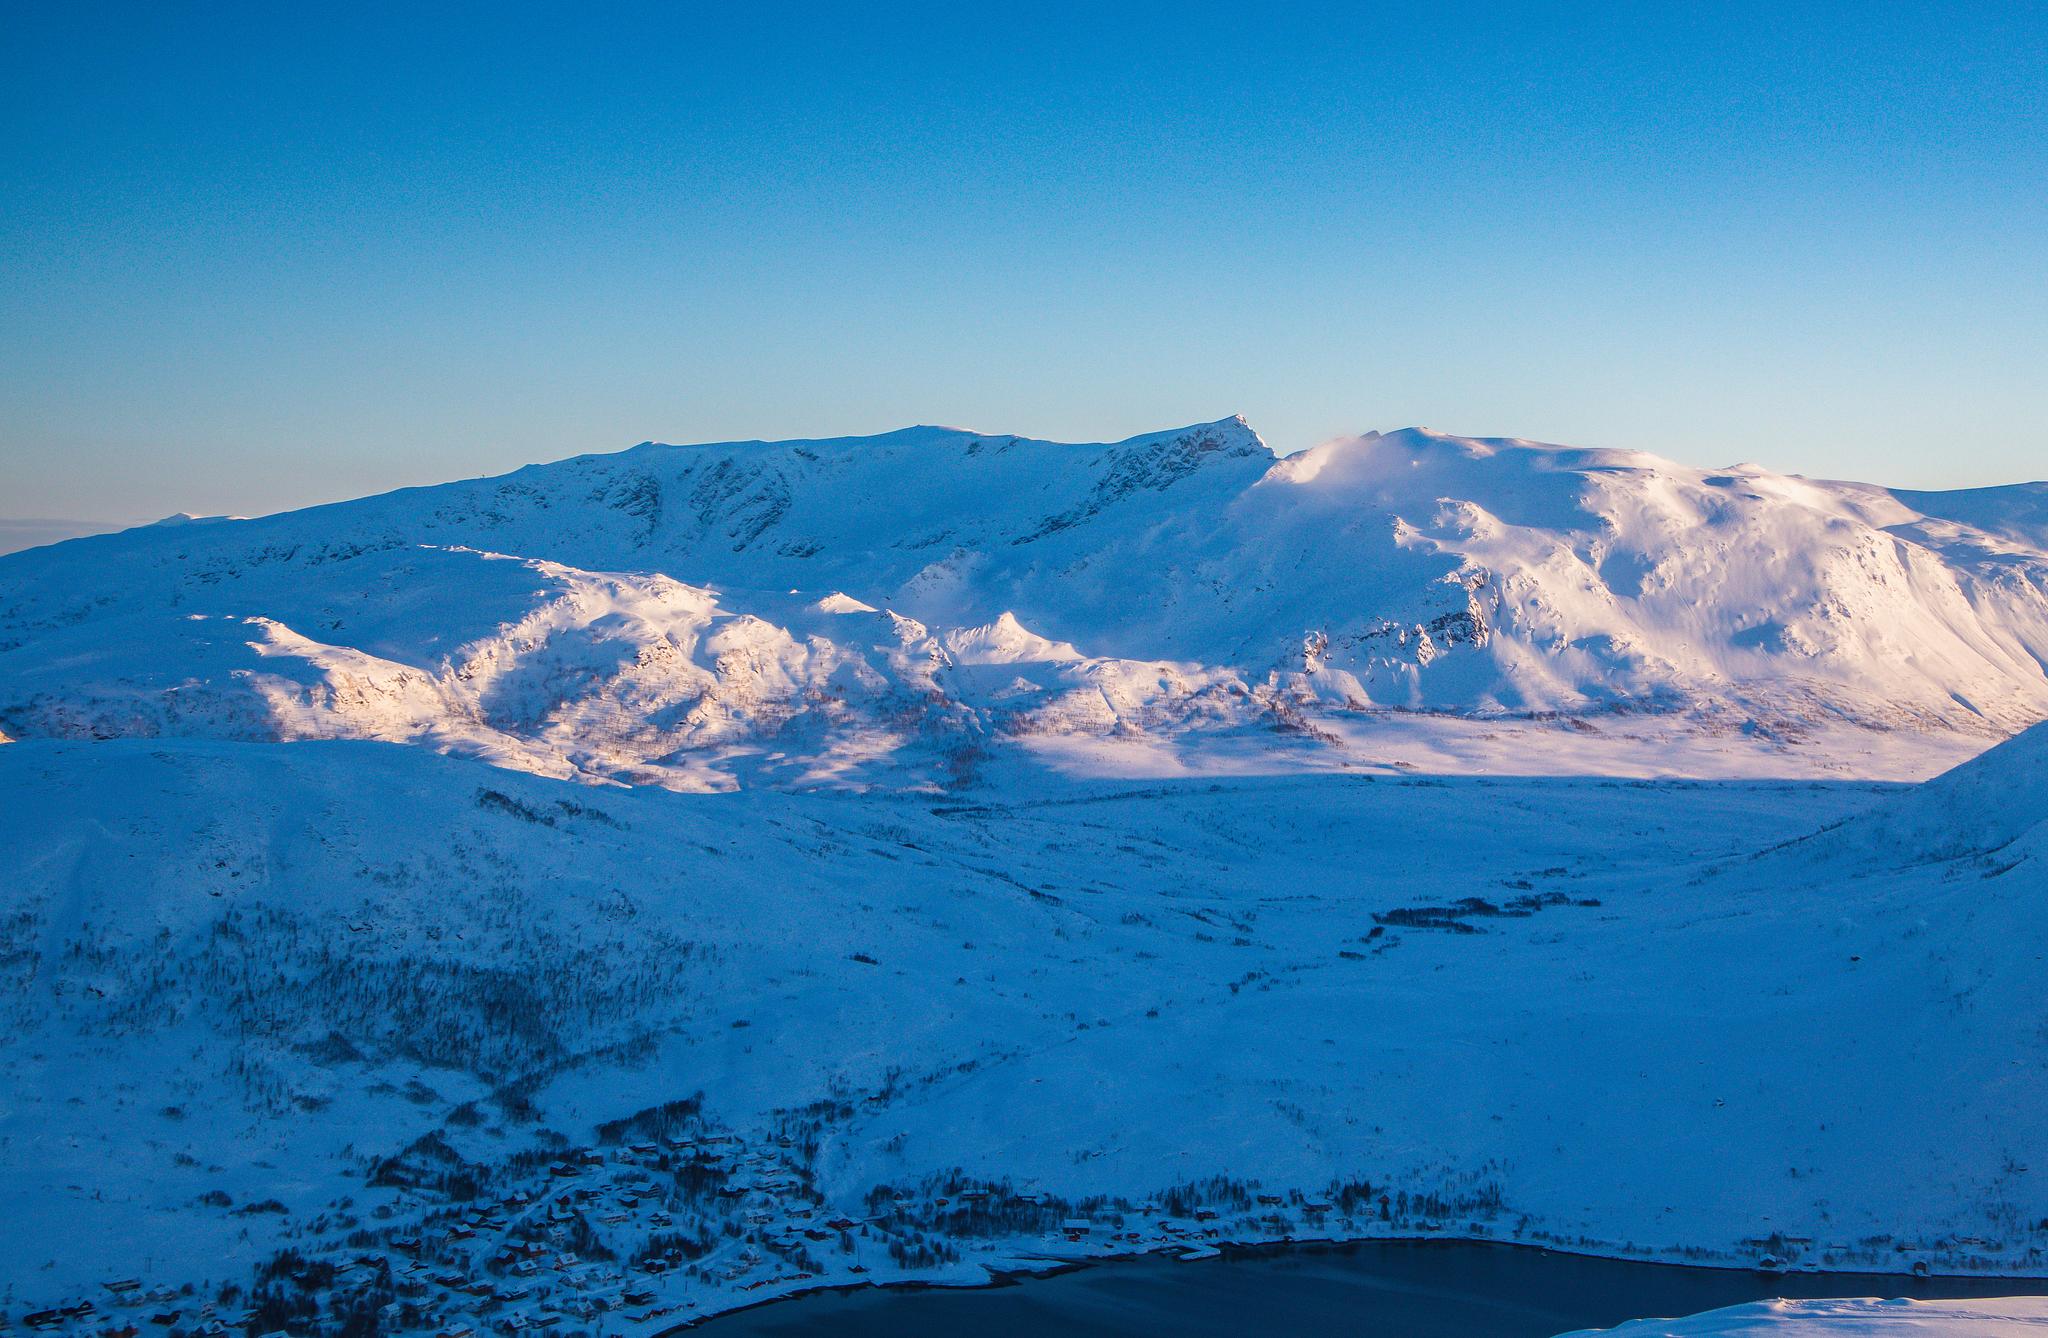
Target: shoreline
[1016,1275]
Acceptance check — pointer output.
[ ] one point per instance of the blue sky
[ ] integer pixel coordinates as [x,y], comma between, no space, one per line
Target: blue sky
[260,256]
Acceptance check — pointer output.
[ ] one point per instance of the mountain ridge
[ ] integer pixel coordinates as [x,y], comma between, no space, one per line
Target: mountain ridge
[1213,598]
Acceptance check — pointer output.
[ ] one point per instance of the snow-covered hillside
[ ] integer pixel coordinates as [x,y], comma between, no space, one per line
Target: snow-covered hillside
[1078,889]
[353,998]
[2003,1317]
[905,608]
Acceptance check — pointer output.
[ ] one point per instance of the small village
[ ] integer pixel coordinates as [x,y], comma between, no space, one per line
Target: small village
[646,1233]
[655,1232]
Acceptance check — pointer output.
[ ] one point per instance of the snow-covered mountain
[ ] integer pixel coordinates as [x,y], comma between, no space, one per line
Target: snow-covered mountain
[298,971]
[913,606]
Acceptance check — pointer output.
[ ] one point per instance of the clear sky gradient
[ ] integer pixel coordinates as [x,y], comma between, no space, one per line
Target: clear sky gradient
[257,256]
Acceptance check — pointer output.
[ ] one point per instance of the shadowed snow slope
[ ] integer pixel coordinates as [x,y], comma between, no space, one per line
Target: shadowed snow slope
[1985,806]
[1991,811]
[256,994]
[890,609]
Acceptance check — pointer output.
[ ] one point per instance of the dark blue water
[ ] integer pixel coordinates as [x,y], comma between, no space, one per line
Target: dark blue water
[1381,1289]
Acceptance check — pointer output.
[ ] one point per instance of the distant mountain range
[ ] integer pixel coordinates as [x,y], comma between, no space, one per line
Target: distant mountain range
[19,532]
[903,608]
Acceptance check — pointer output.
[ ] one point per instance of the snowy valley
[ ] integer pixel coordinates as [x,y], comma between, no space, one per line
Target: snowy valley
[642,885]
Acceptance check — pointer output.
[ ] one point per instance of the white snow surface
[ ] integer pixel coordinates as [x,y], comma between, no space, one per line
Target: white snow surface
[892,610]
[1847,1317]
[958,836]
[1710,1022]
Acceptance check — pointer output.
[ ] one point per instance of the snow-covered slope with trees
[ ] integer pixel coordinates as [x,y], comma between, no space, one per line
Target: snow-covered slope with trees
[353,998]
[900,608]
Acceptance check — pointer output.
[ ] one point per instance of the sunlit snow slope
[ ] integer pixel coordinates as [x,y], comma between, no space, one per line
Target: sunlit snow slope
[902,608]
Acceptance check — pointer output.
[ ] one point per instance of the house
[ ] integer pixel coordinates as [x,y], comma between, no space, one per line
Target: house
[1076,1227]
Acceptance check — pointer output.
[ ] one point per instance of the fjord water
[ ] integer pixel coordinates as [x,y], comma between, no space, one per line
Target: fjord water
[1381,1289]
